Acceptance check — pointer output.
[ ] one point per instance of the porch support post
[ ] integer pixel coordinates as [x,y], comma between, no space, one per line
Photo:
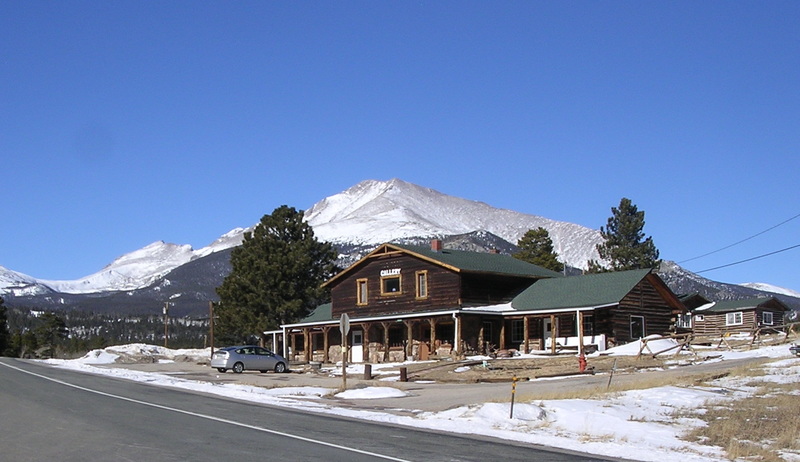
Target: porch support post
[409,339]
[481,340]
[526,337]
[326,342]
[293,339]
[502,343]
[307,344]
[365,356]
[553,327]
[433,335]
[385,340]
[457,340]
[579,318]
[285,345]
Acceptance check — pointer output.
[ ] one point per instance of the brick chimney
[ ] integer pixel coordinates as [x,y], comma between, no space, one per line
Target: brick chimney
[436,245]
[494,251]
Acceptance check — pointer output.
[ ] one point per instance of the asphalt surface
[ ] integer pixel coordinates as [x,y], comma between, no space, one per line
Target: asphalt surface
[50,413]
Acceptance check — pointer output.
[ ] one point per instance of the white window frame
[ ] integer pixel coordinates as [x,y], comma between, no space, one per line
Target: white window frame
[734,318]
[765,315]
[684,321]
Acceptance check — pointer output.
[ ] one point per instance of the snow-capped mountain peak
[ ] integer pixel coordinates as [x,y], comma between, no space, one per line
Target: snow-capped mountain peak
[369,213]
[373,212]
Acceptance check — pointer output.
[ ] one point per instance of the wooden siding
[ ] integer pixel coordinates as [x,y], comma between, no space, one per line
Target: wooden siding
[714,324]
[444,288]
[646,301]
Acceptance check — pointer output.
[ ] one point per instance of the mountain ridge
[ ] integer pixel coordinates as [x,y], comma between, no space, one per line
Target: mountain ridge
[355,221]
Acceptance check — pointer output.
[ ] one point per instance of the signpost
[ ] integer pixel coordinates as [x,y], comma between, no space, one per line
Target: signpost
[344,328]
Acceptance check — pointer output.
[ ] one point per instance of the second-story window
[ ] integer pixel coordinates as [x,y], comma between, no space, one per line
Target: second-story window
[361,289]
[422,284]
[390,285]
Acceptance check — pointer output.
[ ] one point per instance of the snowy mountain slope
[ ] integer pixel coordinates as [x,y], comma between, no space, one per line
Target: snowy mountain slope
[373,212]
[130,271]
[12,282]
[764,287]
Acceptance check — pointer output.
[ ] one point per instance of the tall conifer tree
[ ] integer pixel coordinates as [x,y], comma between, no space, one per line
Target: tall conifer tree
[276,276]
[536,247]
[624,245]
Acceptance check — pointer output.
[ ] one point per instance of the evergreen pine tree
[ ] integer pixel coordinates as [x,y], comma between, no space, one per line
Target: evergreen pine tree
[5,335]
[276,277]
[51,331]
[624,246]
[536,247]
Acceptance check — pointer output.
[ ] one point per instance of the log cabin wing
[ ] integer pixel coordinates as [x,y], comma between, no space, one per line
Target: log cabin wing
[738,316]
[606,308]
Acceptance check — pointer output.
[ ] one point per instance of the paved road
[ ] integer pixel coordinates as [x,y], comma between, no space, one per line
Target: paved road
[56,414]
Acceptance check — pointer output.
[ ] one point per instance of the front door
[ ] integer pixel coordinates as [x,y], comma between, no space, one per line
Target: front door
[548,331]
[357,346]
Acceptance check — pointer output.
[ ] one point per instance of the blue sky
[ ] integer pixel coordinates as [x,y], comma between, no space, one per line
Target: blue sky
[124,123]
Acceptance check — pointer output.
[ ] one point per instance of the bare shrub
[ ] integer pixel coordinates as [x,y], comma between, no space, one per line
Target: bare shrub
[758,427]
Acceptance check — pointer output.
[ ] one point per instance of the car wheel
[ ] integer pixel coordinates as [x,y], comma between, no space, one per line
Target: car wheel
[280,368]
[238,368]
[222,369]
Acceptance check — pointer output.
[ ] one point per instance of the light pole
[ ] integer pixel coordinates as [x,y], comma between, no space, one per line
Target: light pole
[211,325]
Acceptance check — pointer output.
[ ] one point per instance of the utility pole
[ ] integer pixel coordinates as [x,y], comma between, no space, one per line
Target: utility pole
[211,325]
[166,323]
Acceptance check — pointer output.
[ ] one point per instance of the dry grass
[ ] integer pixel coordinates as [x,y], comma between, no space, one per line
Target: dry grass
[760,427]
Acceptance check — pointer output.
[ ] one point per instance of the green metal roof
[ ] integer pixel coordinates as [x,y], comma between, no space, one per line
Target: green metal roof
[578,291]
[321,313]
[725,306]
[480,262]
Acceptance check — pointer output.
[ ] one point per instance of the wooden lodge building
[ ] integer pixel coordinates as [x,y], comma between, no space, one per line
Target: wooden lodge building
[714,319]
[414,302]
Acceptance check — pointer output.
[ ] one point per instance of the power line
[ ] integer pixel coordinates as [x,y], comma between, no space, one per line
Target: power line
[739,242]
[749,259]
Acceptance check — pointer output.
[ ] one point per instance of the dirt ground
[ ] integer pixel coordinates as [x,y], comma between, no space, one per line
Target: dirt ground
[505,369]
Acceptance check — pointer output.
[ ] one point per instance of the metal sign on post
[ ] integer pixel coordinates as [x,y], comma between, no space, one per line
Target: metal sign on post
[344,327]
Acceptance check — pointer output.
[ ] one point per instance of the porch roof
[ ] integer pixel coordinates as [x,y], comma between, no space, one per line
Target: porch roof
[578,291]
